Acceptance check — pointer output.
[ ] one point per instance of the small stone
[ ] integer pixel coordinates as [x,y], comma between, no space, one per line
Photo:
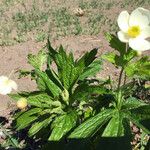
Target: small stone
[79,12]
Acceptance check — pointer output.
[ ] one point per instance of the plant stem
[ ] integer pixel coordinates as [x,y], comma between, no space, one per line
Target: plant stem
[120,78]
[125,77]
[121,72]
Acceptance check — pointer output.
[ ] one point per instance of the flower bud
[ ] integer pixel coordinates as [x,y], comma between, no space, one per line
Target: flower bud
[22,103]
[65,96]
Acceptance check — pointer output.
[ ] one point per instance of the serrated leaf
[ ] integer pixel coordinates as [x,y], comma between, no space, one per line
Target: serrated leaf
[27,118]
[87,58]
[62,125]
[41,84]
[115,43]
[109,57]
[92,125]
[139,68]
[52,87]
[132,103]
[115,127]
[38,60]
[92,69]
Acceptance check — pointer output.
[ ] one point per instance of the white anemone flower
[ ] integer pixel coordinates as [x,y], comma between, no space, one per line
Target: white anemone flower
[135,28]
[6,85]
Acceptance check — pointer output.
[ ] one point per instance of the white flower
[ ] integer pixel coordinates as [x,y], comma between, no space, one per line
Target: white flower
[135,28]
[6,85]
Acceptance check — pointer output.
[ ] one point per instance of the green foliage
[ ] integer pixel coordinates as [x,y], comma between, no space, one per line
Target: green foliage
[62,125]
[69,104]
[113,120]
[38,60]
[139,69]
[92,125]
[125,54]
[53,106]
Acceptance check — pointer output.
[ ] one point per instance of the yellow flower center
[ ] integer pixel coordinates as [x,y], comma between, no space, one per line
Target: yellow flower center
[7,82]
[134,31]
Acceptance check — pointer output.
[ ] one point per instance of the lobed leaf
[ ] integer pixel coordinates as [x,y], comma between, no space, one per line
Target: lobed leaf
[38,60]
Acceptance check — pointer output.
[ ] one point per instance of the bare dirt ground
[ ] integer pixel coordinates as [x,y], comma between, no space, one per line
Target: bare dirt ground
[15,57]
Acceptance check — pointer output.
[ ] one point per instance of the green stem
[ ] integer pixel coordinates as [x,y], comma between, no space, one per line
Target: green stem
[121,72]
[120,77]
[119,96]
[125,77]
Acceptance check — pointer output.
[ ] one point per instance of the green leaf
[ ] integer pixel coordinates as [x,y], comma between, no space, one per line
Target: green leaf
[136,120]
[27,118]
[132,103]
[92,125]
[124,57]
[70,70]
[51,86]
[24,73]
[38,60]
[37,126]
[85,91]
[115,43]
[128,89]
[62,125]
[139,69]
[115,126]
[54,77]
[36,98]
[41,84]
[109,57]
[52,52]
[141,113]
[92,69]
[39,99]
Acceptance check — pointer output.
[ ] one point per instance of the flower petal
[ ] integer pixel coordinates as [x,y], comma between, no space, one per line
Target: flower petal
[3,79]
[145,33]
[6,85]
[123,21]
[5,90]
[13,84]
[123,37]
[139,44]
[140,17]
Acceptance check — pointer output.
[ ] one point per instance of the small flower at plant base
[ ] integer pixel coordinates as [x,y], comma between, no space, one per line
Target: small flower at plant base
[135,28]
[6,85]
[22,103]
